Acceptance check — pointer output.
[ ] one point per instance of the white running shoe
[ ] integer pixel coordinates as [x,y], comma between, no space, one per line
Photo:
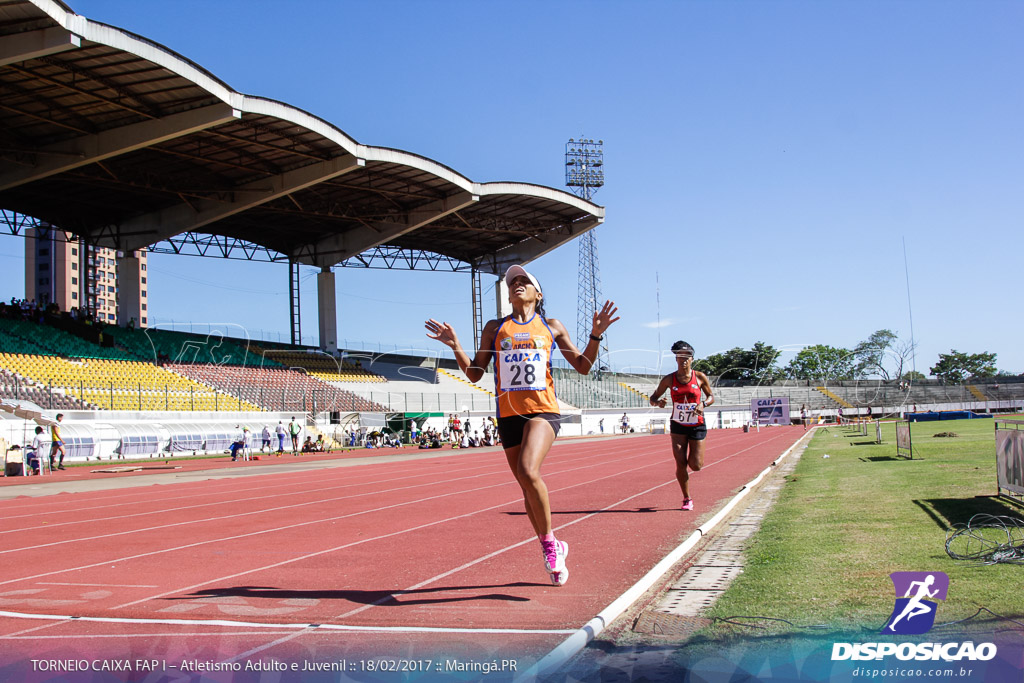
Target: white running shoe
[555,553]
[559,578]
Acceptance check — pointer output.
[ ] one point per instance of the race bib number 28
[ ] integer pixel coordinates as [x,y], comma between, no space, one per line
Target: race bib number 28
[523,369]
[685,413]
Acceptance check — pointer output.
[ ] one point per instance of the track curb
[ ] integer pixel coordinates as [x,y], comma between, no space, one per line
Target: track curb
[575,643]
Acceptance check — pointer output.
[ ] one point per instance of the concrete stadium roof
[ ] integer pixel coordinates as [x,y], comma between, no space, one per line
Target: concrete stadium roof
[119,140]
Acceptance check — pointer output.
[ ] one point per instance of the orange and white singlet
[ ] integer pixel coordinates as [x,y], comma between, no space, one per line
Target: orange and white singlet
[522,367]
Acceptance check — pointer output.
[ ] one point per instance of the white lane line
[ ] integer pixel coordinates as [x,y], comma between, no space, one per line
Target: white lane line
[494,470]
[161,511]
[247,513]
[99,585]
[52,624]
[266,646]
[340,547]
[236,537]
[173,497]
[532,539]
[281,627]
[274,529]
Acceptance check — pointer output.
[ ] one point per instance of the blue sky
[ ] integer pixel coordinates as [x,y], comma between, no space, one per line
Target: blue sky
[764,160]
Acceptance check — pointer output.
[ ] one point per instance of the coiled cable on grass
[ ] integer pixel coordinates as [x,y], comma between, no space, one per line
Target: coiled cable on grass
[987,539]
[732,620]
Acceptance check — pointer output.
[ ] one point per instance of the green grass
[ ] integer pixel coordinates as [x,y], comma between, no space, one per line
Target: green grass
[824,553]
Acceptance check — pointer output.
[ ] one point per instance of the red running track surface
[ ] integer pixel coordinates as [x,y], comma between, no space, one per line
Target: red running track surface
[438,543]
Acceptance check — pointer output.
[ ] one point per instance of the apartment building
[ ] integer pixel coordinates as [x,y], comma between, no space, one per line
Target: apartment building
[72,274]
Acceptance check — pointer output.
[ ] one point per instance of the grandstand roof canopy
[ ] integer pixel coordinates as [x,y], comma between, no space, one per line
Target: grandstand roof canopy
[119,140]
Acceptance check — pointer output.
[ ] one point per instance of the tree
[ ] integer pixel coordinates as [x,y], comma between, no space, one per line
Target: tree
[913,376]
[870,354]
[882,350]
[822,363]
[955,367]
[755,365]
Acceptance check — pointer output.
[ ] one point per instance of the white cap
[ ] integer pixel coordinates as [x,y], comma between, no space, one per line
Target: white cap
[515,271]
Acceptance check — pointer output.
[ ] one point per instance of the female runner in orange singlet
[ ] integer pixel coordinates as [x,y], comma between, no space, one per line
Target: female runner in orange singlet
[528,415]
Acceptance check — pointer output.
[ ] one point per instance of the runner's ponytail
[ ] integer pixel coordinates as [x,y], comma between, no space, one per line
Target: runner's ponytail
[540,302]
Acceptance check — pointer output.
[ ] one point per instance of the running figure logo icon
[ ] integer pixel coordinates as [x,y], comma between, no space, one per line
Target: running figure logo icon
[914,612]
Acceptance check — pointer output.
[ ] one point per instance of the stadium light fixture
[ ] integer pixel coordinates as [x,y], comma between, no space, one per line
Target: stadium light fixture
[582,161]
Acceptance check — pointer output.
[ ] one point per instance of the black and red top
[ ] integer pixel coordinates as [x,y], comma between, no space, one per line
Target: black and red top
[688,394]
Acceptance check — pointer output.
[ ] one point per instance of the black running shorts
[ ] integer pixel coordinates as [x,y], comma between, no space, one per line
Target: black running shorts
[694,432]
[510,429]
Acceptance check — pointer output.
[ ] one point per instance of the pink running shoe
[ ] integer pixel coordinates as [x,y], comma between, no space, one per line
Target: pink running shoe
[687,503]
[555,553]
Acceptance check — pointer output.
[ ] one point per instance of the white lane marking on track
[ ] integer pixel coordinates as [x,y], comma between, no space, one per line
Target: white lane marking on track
[322,552]
[265,531]
[162,511]
[495,472]
[528,540]
[267,646]
[264,628]
[417,473]
[213,485]
[359,542]
[14,636]
[100,585]
[63,512]
[240,514]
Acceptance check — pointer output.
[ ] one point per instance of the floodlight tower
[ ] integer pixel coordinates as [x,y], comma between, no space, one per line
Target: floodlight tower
[584,174]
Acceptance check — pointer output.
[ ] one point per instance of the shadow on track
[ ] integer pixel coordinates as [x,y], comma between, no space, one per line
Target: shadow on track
[380,598]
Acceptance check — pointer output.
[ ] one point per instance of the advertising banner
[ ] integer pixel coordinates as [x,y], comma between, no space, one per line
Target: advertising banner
[1010,460]
[770,411]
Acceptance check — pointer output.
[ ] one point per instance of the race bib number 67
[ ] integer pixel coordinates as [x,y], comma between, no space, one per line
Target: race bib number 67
[685,413]
[523,369]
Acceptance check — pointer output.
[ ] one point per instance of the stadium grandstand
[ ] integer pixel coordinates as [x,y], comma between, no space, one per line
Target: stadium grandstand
[99,113]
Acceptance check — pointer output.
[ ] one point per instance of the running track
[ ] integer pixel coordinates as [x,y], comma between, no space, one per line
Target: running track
[347,562]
